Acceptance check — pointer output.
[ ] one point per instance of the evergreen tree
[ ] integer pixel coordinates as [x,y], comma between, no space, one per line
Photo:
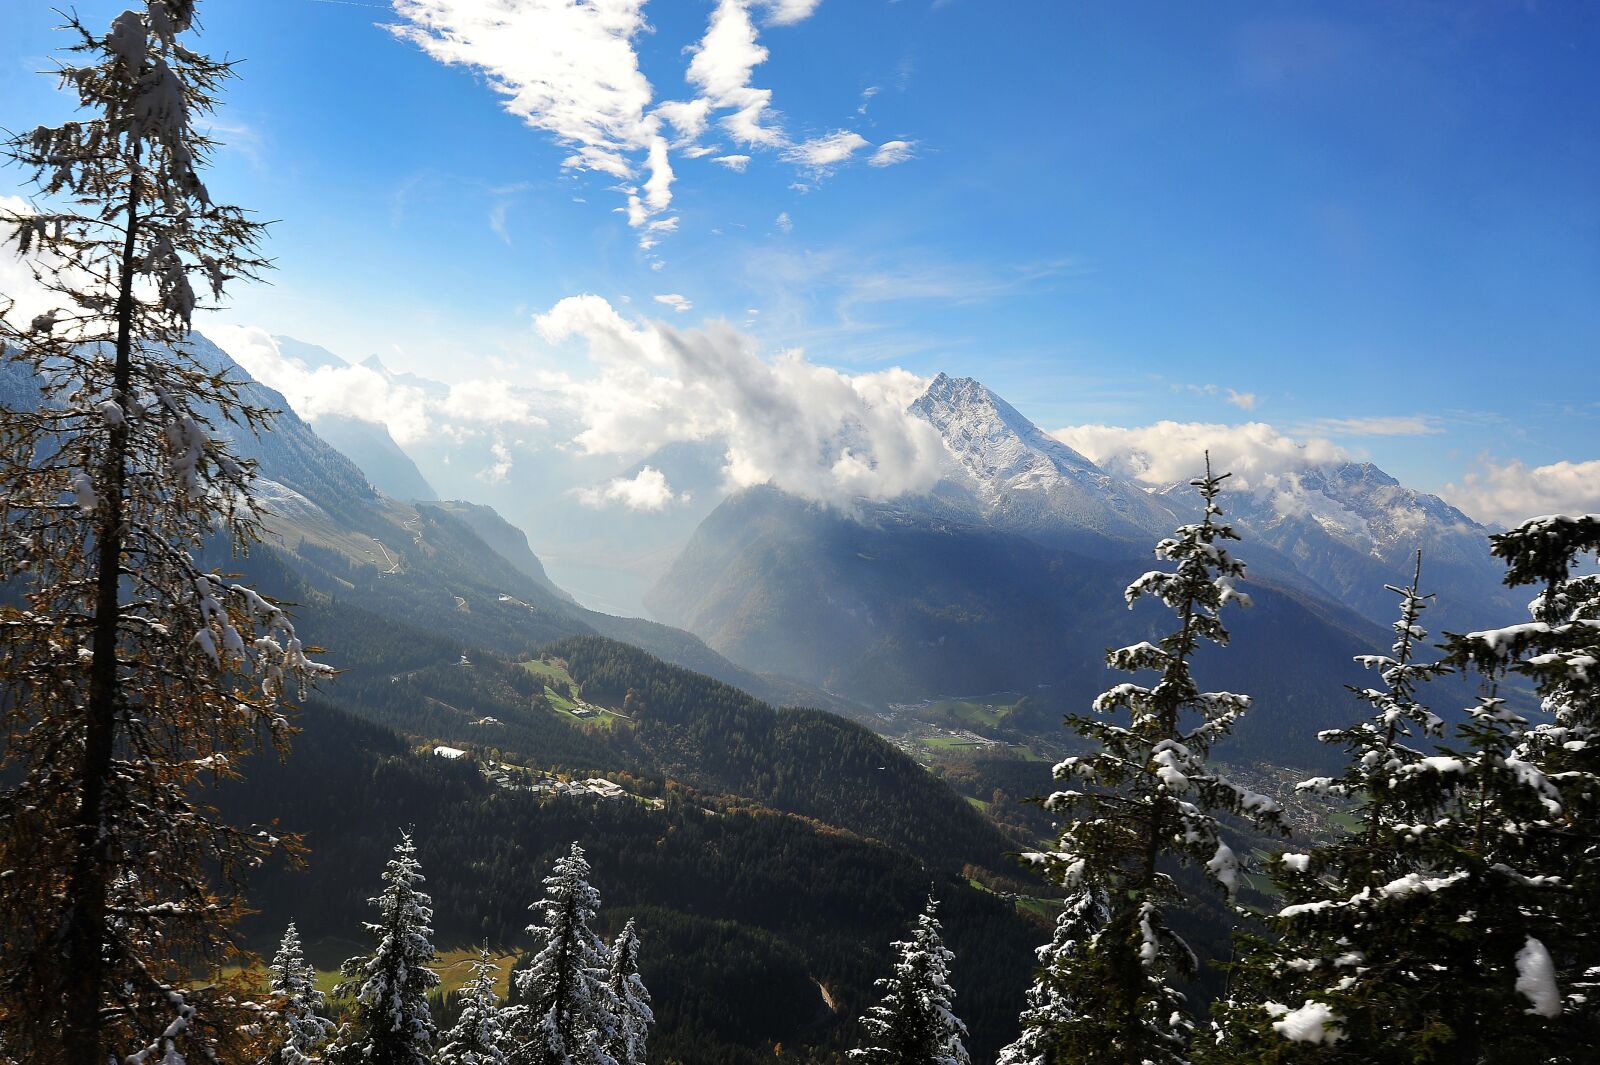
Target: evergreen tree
[302,1008]
[1319,944]
[393,1025]
[1423,936]
[1151,799]
[567,1014]
[915,1023]
[479,1036]
[634,1016]
[1050,1005]
[131,676]
[1558,652]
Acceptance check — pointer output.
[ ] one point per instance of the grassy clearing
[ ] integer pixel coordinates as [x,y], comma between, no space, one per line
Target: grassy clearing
[1045,908]
[951,743]
[555,674]
[454,968]
[550,671]
[983,711]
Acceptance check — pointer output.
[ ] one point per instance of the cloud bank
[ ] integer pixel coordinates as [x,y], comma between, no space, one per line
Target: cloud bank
[1512,492]
[807,429]
[1258,455]
[410,412]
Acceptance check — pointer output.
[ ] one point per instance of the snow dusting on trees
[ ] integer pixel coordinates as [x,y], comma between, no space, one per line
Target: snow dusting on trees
[1144,797]
[568,1014]
[392,1023]
[133,677]
[916,1024]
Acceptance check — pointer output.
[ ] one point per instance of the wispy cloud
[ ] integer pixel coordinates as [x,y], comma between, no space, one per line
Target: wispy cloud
[572,70]
[675,301]
[890,153]
[788,12]
[569,70]
[1378,425]
[500,469]
[1242,400]
[821,153]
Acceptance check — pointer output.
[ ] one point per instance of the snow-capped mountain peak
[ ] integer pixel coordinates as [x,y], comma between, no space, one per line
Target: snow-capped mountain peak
[993,441]
[1023,478]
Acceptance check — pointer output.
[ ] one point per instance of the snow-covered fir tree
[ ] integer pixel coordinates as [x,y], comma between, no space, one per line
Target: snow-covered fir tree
[634,1016]
[1428,935]
[566,1012]
[916,1024]
[303,1025]
[1148,798]
[479,1036]
[392,1024]
[1558,652]
[132,677]
[1319,944]
[1050,1004]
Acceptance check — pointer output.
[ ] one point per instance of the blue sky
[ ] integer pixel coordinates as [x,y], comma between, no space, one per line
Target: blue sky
[1377,224]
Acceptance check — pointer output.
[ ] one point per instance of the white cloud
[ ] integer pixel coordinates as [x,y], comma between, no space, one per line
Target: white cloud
[658,188]
[788,12]
[1258,455]
[822,152]
[572,70]
[1512,492]
[784,222]
[807,429]
[723,64]
[647,490]
[408,412]
[688,117]
[17,282]
[891,152]
[500,469]
[490,401]
[1242,400]
[675,301]
[567,69]
[1382,425]
[866,99]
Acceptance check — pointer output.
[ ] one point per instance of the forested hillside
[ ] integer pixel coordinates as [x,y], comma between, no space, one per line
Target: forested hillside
[743,912]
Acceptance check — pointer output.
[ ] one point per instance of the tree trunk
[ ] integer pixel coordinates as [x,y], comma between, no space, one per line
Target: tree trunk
[88,887]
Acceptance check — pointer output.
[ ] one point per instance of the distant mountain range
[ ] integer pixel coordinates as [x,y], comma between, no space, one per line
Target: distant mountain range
[1008,575]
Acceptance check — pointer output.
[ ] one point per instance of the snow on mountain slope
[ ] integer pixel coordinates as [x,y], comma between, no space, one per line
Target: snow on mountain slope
[1351,528]
[1024,480]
